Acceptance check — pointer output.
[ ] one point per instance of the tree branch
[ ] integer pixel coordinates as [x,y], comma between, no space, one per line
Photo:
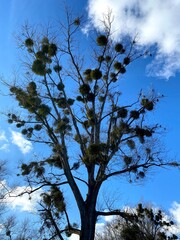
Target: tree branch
[114,213]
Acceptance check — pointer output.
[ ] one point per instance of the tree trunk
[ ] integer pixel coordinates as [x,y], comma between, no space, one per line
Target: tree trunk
[88,223]
[89,215]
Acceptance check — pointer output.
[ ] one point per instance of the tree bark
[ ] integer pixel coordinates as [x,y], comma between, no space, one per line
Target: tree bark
[88,223]
[89,215]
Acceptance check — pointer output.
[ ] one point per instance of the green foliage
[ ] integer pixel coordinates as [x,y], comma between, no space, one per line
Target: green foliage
[90,97]
[31,88]
[87,74]
[77,22]
[147,104]
[52,49]
[124,128]
[84,89]
[118,47]
[45,41]
[54,199]
[44,110]
[43,56]
[48,71]
[70,101]
[40,55]
[96,154]
[62,103]
[102,40]
[94,149]
[141,223]
[141,132]
[101,59]
[101,98]
[18,125]
[32,167]
[13,89]
[132,233]
[141,174]
[45,48]
[29,42]
[8,233]
[108,58]
[39,67]
[131,144]
[113,77]
[96,74]
[117,66]
[57,68]
[126,60]
[25,169]
[80,99]
[90,113]
[83,138]
[24,131]
[122,113]
[134,114]
[55,161]
[147,224]
[72,104]
[10,121]
[62,126]
[127,160]
[38,127]
[123,70]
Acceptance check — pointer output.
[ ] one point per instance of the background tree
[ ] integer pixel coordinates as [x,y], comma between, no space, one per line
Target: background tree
[11,227]
[3,188]
[71,104]
[143,223]
[3,174]
[20,228]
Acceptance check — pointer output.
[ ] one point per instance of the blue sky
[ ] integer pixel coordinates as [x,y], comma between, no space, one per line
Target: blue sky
[156,24]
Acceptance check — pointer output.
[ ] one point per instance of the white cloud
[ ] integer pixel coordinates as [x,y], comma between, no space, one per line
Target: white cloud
[3,138]
[103,221]
[100,227]
[175,211]
[74,237]
[24,145]
[25,202]
[108,218]
[156,23]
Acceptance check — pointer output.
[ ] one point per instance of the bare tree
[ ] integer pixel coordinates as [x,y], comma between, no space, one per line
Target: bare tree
[14,228]
[143,223]
[71,104]
[4,189]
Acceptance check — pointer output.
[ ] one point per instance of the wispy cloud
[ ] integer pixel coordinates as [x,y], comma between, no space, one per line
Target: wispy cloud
[3,136]
[4,145]
[156,23]
[24,145]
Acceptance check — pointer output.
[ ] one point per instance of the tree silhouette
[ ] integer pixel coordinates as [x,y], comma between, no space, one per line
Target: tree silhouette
[71,104]
[142,223]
